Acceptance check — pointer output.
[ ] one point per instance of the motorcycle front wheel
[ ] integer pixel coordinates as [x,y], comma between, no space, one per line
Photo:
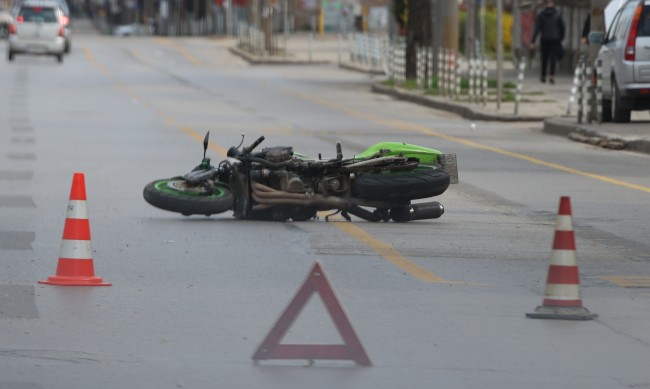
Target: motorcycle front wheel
[173,194]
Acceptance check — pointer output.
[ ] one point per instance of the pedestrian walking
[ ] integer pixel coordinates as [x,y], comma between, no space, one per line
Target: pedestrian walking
[549,26]
[586,29]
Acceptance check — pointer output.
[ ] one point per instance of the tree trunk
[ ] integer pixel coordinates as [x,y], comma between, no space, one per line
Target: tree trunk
[418,33]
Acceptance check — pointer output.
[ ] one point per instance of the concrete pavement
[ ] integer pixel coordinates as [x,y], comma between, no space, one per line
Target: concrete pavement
[543,102]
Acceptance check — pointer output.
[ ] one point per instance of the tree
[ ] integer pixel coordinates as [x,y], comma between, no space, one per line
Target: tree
[418,32]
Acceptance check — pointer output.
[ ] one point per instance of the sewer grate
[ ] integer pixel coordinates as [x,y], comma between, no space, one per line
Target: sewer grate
[19,385]
[22,128]
[16,175]
[16,240]
[22,156]
[17,201]
[23,140]
[17,302]
[629,281]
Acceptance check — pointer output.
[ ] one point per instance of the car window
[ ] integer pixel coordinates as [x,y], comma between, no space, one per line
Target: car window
[626,21]
[611,34]
[644,22]
[37,14]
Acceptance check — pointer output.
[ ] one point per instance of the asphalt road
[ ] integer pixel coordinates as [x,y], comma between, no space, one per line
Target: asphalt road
[435,303]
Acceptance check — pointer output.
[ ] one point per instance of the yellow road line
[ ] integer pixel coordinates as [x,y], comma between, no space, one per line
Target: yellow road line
[183,51]
[629,281]
[389,253]
[91,58]
[425,130]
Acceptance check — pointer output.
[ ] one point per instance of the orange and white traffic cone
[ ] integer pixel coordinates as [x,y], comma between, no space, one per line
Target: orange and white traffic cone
[562,295]
[75,267]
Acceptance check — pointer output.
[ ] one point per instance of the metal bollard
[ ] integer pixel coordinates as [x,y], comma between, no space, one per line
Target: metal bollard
[580,89]
[576,83]
[441,72]
[599,90]
[485,80]
[520,82]
[459,74]
[589,114]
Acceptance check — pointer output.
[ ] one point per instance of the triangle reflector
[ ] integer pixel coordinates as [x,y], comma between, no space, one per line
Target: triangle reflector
[352,349]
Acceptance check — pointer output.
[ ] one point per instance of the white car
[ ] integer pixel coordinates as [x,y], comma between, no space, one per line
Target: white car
[625,55]
[38,28]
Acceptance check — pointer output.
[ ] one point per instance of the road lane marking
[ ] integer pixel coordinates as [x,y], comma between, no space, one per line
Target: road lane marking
[389,253]
[405,126]
[629,281]
[183,51]
[91,58]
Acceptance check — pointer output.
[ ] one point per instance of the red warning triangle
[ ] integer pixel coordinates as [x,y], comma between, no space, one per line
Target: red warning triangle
[316,282]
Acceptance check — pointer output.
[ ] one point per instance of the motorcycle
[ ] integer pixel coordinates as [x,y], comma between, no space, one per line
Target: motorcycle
[278,183]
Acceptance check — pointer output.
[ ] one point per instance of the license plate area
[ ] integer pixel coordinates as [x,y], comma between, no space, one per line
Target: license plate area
[450,165]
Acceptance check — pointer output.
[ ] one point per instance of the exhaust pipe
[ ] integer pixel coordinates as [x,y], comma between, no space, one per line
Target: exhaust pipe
[419,211]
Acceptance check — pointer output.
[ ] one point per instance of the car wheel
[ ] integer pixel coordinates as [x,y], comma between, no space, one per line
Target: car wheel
[619,115]
[59,58]
[11,56]
[607,110]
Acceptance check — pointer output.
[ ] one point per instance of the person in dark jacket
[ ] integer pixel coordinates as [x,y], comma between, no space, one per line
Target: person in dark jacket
[586,29]
[549,25]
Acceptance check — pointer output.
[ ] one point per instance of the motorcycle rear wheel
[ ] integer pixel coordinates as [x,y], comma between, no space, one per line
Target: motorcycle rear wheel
[415,184]
[173,194]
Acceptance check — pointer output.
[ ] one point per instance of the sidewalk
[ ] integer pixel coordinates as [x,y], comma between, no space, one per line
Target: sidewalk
[541,102]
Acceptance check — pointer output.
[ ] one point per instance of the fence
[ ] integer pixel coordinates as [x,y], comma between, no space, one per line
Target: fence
[256,42]
[588,91]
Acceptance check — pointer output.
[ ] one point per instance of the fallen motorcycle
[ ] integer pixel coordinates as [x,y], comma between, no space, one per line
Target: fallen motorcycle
[278,183]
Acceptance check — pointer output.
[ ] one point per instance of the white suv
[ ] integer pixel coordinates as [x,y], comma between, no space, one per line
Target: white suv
[38,28]
[625,55]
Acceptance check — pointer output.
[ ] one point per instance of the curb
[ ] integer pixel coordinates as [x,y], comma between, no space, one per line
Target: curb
[257,60]
[580,133]
[446,105]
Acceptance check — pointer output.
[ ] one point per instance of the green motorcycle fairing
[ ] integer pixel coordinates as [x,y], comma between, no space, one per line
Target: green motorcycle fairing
[425,155]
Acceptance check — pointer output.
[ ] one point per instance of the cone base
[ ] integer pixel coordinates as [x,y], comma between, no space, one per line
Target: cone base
[565,313]
[74,281]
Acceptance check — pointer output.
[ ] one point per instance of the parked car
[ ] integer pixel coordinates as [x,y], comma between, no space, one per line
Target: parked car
[5,21]
[67,22]
[38,28]
[625,55]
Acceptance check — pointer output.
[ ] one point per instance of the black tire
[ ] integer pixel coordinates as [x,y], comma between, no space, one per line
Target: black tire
[415,184]
[59,58]
[173,195]
[619,114]
[11,56]
[607,110]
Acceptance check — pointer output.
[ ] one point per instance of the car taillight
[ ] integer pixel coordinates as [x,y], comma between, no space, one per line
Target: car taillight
[630,46]
[62,31]
[65,20]
[20,19]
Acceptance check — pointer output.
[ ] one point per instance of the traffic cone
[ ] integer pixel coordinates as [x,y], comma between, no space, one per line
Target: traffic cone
[75,267]
[562,295]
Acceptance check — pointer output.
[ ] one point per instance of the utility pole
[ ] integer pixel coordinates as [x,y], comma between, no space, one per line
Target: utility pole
[436,32]
[448,21]
[499,52]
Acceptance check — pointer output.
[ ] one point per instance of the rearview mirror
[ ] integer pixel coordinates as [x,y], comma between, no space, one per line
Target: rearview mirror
[596,37]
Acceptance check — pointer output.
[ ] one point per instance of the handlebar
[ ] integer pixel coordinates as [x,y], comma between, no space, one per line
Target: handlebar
[252,147]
